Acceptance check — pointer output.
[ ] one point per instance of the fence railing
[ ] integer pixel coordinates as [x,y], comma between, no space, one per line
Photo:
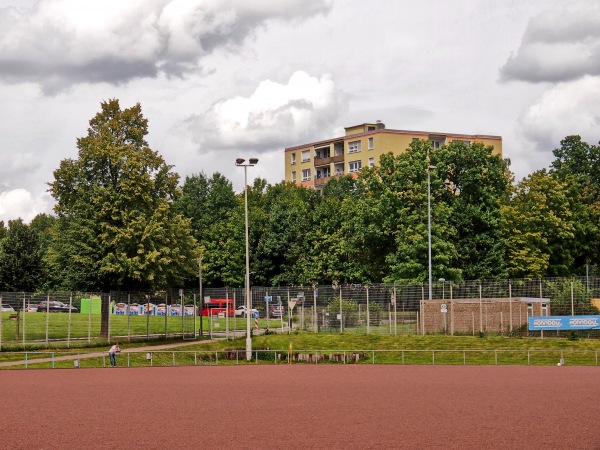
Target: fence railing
[32,360]
[386,309]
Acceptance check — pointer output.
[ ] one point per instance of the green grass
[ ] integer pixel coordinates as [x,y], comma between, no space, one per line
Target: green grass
[87,327]
[334,348]
[416,349]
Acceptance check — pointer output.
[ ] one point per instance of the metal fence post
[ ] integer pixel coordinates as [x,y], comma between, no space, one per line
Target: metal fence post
[368,316]
[47,316]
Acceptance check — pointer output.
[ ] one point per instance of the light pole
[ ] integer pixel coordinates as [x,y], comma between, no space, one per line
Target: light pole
[443,281]
[429,168]
[251,162]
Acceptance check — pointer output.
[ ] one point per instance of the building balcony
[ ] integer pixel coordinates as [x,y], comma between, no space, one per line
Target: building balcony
[327,161]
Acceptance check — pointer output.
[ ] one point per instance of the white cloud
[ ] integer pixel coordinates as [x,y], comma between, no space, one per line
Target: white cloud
[558,45]
[566,109]
[19,203]
[274,115]
[59,43]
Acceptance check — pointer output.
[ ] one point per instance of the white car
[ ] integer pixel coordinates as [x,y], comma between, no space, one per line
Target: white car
[7,308]
[241,311]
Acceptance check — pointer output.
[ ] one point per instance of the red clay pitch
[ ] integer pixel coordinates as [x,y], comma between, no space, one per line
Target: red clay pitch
[302,406]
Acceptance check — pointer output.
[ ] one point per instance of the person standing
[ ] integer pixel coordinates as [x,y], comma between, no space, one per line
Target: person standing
[112,354]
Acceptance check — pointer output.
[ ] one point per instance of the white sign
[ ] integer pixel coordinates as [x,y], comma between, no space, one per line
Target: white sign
[444,308]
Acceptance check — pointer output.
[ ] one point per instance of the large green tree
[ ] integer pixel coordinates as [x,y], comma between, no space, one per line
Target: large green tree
[476,182]
[117,225]
[542,223]
[580,161]
[21,265]
[206,201]
[286,239]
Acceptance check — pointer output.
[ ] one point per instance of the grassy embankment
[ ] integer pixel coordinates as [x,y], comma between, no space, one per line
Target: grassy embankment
[411,349]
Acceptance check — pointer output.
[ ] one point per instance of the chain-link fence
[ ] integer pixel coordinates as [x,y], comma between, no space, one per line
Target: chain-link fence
[468,307]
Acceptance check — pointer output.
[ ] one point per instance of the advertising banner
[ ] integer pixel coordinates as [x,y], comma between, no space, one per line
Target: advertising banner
[564,323]
[121,309]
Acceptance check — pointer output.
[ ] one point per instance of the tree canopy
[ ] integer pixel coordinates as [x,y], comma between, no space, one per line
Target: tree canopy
[117,225]
[123,222]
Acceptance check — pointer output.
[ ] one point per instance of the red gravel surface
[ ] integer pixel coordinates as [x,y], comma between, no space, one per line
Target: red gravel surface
[302,406]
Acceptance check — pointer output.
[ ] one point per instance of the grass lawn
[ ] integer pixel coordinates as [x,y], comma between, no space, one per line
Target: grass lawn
[274,347]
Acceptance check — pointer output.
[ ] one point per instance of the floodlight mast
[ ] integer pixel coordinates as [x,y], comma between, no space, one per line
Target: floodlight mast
[251,162]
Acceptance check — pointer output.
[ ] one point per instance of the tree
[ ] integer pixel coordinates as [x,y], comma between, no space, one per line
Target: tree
[117,226]
[43,225]
[581,161]
[394,223]
[475,183]
[286,240]
[542,226]
[21,266]
[206,201]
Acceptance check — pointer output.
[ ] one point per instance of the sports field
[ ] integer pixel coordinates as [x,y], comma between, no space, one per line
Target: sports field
[302,406]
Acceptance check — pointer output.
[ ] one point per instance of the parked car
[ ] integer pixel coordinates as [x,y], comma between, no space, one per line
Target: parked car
[241,311]
[7,308]
[31,308]
[55,306]
[277,311]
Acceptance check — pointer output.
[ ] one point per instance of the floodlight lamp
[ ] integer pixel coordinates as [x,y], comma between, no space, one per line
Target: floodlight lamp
[253,161]
[239,161]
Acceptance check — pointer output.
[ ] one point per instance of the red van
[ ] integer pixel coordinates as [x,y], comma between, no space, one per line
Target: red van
[217,306]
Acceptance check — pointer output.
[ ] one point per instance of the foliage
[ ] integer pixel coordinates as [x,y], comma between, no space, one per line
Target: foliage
[348,309]
[117,223]
[581,161]
[476,181]
[21,265]
[542,226]
[566,298]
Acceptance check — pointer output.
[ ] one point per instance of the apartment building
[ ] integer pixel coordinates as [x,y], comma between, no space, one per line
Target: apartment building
[314,164]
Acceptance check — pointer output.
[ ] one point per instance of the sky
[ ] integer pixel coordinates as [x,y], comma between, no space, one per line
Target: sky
[222,79]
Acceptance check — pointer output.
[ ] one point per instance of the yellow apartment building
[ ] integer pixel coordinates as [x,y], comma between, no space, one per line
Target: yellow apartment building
[314,164]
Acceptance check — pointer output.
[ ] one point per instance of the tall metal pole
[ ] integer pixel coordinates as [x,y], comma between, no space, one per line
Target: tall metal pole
[429,219]
[248,308]
[251,162]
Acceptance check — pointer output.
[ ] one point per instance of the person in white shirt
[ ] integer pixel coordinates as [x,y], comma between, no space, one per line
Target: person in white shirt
[112,354]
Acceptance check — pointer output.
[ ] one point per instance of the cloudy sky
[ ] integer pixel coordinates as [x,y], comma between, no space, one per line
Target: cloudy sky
[220,79]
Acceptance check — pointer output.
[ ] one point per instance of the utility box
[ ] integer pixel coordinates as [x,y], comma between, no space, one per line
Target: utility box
[91,305]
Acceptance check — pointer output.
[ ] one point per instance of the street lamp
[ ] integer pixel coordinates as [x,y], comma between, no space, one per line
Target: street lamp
[443,281]
[251,162]
[429,169]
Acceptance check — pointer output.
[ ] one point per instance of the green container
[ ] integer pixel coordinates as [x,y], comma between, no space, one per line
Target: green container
[91,306]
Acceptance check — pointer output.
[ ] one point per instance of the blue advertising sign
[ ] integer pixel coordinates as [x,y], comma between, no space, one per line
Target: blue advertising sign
[564,323]
[268,298]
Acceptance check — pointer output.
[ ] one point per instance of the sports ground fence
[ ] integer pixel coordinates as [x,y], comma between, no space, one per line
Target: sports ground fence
[456,308]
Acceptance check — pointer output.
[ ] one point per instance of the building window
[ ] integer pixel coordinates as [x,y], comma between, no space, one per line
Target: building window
[305,155]
[371,162]
[293,156]
[435,144]
[293,176]
[544,309]
[353,146]
[305,174]
[529,309]
[354,166]
[370,141]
